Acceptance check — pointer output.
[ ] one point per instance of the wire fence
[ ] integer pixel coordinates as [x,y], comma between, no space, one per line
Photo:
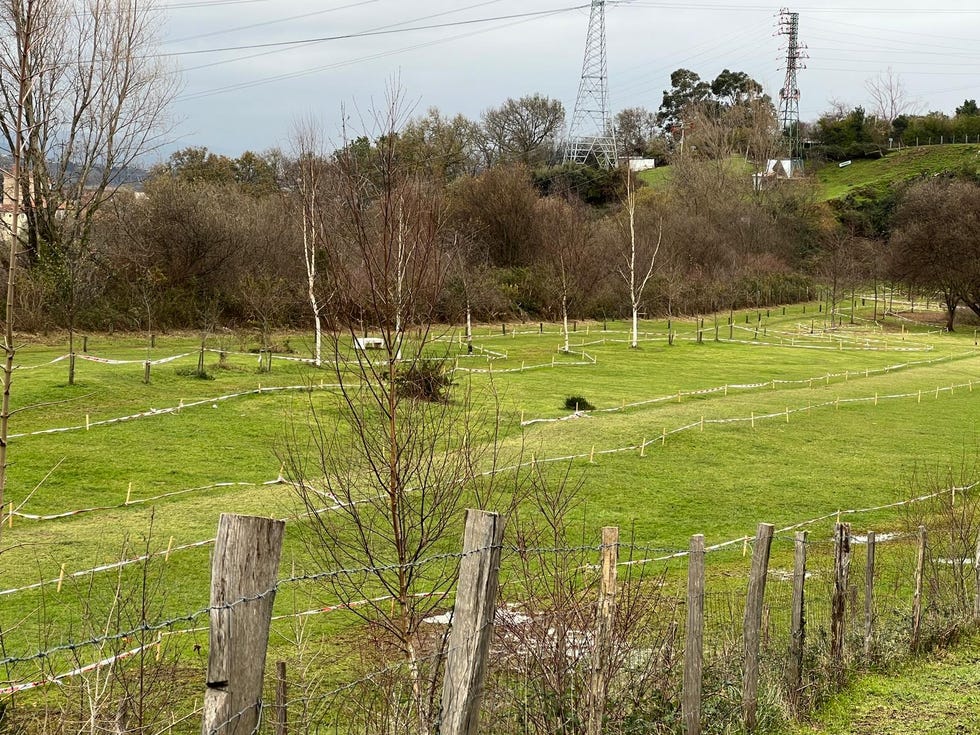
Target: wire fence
[542,661]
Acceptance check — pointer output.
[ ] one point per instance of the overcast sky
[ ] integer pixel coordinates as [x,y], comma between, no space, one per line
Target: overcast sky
[249,99]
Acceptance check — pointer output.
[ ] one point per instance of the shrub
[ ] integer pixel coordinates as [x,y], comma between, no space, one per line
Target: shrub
[578,403]
[426,380]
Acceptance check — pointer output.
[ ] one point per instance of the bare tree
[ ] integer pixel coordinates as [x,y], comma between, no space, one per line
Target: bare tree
[96,104]
[640,259]
[889,97]
[17,66]
[523,130]
[408,447]
[567,255]
[310,180]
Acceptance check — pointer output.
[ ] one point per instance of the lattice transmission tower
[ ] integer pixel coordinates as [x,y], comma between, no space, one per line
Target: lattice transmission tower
[789,95]
[591,138]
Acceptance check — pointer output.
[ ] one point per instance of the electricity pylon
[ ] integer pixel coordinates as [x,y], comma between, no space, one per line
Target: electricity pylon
[591,138]
[789,95]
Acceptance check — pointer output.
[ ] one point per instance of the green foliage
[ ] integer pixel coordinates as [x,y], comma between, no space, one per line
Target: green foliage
[578,403]
[591,184]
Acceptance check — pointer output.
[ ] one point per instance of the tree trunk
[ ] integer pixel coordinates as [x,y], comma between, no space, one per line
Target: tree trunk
[634,331]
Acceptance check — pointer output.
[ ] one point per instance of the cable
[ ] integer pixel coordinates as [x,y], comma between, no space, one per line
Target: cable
[384,31]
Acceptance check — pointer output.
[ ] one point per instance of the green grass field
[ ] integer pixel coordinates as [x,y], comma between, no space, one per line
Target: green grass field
[784,422]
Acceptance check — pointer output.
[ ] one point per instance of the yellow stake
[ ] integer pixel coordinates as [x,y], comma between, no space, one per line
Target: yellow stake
[876,399]
[592,455]
[702,423]
[61,577]
[129,493]
[745,545]
[753,419]
[643,447]
[787,414]
[170,545]
[87,424]
[663,438]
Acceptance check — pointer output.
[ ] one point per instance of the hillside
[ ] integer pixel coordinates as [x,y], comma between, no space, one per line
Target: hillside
[836,182]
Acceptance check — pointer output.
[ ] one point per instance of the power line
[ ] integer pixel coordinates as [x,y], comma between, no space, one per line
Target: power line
[378,32]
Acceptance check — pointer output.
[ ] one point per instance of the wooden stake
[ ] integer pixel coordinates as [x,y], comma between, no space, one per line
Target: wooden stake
[917,594]
[787,414]
[592,455]
[842,564]
[643,447]
[282,722]
[88,424]
[129,493]
[663,438]
[61,577]
[473,613]
[869,591]
[752,419]
[797,636]
[170,546]
[693,641]
[702,422]
[605,623]
[244,569]
[753,622]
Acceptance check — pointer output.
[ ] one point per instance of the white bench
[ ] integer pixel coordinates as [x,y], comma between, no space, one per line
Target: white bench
[369,343]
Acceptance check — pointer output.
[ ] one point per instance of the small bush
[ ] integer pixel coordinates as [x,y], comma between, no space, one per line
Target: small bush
[193,372]
[578,403]
[426,380]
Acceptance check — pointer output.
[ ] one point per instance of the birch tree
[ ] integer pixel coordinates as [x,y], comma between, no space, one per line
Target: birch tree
[310,177]
[640,257]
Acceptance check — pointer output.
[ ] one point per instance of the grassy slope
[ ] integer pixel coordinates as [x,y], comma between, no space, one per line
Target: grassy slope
[899,165]
[940,696]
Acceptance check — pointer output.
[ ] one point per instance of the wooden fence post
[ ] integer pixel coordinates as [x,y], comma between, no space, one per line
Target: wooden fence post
[605,618]
[693,641]
[838,600]
[794,671]
[917,595]
[976,571]
[869,594]
[244,570]
[472,622]
[282,721]
[753,622]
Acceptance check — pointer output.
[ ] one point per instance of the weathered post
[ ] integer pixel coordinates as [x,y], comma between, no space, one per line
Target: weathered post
[605,620]
[869,593]
[838,600]
[976,571]
[146,371]
[920,562]
[282,721]
[472,621]
[753,623]
[243,587]
[694,643]
[794,671]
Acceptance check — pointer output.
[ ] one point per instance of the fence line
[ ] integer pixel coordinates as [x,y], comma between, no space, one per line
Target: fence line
[825,378]
[590,455]
[176,409]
